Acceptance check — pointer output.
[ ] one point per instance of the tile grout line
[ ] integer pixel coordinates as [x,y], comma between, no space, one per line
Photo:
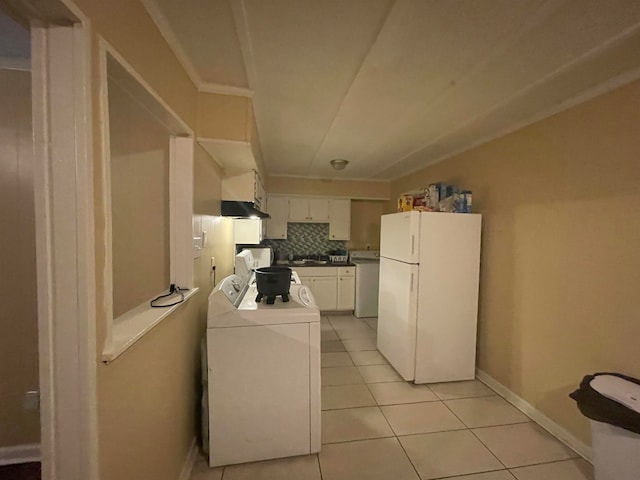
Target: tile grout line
[573,459]
[517,423]
[468,475]
[318,459]
[397,438]
[473,433]
[394,433]
[443,401]
[360,440]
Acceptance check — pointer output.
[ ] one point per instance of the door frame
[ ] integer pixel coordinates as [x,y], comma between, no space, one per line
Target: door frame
[65,246]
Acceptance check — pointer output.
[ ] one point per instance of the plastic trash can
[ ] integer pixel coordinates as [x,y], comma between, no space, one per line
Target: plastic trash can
[612,403]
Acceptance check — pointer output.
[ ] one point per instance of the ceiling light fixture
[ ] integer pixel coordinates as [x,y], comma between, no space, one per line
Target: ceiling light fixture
[338,163]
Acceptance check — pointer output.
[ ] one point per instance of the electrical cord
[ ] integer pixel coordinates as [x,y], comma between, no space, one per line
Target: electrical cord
[173,290]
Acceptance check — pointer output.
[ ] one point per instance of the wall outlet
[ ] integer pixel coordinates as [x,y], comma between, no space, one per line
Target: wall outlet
[368,247]
[31,400]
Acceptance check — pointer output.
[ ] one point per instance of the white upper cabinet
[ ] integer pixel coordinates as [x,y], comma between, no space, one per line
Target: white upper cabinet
[334,211]
[339,219]
[247,231]
[312,210]
[319,209]
[278,208]
[299,210]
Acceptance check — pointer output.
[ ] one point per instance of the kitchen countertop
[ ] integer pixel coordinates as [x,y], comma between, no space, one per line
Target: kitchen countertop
[292,264]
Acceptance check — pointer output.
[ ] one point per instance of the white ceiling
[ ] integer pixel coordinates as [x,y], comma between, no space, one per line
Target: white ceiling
[393,86]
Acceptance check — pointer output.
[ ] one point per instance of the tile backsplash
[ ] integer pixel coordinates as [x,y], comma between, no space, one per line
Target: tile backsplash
[305,238]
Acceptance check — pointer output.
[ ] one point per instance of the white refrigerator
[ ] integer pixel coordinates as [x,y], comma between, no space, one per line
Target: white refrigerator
[428,294]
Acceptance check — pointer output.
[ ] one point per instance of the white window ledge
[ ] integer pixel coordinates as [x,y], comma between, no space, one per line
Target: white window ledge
[135,324]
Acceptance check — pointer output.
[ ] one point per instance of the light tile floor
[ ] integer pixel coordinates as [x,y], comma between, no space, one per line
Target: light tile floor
[376,426]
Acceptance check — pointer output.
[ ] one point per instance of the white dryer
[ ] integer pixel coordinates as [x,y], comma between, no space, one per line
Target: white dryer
[263,364]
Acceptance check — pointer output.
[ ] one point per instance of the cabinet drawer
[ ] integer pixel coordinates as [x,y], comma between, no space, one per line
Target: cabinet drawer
[315,271]
[346,271]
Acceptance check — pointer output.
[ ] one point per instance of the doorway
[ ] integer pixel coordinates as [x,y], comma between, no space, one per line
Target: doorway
[19,382]
[61,184]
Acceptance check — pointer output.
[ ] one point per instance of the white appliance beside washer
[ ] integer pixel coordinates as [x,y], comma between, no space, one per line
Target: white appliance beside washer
[367,264]
[262,256]
[246,263]
[263,364]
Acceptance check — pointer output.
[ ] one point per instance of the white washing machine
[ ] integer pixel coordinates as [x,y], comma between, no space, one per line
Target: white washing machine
[263,364]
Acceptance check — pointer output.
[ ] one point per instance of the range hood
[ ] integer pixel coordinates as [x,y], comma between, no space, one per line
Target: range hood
[236,209]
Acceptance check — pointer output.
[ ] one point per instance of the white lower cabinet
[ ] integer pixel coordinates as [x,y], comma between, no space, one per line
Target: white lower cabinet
[346,288]
[325,292]
[332,287]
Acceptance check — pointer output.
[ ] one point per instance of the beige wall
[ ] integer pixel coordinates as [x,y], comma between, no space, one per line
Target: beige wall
[337,188]
[148,397]
[18,315]
[128,28]
[139,165]
[207,186]
[224,116]
[147,400]
[560,256]
[365,224]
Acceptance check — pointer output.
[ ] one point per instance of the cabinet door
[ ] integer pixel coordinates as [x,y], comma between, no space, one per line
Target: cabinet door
[299,210]
[346,292]
[278,208]
[319,209]
[325,291]
[339,219]
[247,231]
[261,195]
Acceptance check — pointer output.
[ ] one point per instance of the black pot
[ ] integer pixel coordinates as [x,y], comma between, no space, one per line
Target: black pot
[273,281]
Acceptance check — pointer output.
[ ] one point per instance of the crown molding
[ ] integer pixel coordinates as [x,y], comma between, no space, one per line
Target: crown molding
[600,89]
[167,33]
[206,87]
[174,44]
[239,11]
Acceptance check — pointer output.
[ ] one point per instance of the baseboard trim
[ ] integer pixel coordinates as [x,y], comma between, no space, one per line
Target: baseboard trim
[20,454]
[187,467]
[558,431]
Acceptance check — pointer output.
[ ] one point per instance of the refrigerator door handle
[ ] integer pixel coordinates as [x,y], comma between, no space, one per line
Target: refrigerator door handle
[411,290]
[413,243]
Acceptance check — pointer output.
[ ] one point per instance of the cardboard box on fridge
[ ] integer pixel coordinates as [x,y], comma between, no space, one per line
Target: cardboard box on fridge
[405,203]
[421,203]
